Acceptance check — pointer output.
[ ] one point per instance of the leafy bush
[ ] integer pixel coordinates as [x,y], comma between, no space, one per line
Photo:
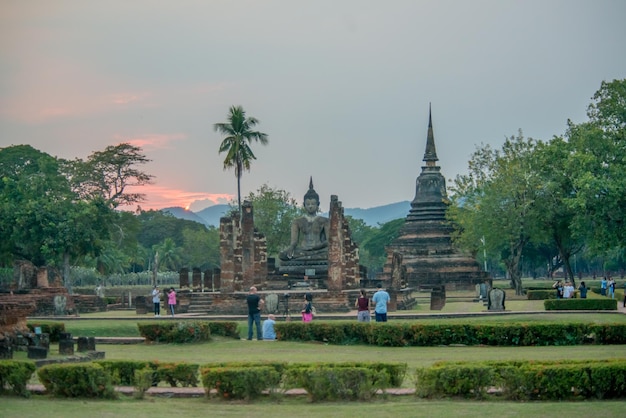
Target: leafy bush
[14,375]
[224,328]
[471,380]
[185,374]
[123,371]
[239,382]
[144,379]
[324,383]
[175,332]
[53,329]
[581,304]
[540,294]
[77,380]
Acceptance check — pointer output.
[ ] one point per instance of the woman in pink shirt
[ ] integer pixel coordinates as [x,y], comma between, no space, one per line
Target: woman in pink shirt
[171,299]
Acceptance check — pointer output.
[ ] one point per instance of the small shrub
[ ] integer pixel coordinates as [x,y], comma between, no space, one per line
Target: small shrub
[581,304]
[324,383]
[14,375]
[175,332]
[123,371]
[183,374]
[77,380]
[143,379]
[239,382]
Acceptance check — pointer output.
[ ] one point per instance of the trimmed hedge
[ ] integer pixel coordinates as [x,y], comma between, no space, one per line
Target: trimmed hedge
[175,332]
[14,376]
[77,380]
[404,334]
[186,331]
[124,372]
[580,304]
[519,380]
[239,382]
[336,382]
[540,294]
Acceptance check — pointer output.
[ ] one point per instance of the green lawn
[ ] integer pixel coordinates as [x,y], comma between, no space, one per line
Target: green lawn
[38,406]
[124,323]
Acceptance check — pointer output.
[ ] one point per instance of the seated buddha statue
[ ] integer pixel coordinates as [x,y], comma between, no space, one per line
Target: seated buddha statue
[309,233]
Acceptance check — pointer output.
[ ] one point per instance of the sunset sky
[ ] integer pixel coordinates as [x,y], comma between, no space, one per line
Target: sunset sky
[342,88]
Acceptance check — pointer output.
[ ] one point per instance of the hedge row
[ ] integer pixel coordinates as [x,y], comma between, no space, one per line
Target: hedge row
[525,380]
[580,304]
[77,380]
[542,294]
[123,372]
[322,381]
[403,334]
[186,331]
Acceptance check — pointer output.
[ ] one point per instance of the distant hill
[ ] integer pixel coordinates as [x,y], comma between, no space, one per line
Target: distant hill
[182,213]
[372,216]
[212,214]
[380,214]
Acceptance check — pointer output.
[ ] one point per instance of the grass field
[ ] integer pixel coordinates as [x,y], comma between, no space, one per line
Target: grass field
[124,323]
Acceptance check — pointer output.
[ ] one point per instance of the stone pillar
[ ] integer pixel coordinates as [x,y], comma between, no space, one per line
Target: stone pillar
[35,352]
[183,278]
[438,298]
[66,344]
[196,278]
[86,344]
[247,245]
[42,277]
[217,279]
[335,247]
[207,280]
[229,231]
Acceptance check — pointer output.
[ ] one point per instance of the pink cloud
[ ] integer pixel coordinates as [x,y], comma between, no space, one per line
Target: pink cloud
[159,197]
[147,141]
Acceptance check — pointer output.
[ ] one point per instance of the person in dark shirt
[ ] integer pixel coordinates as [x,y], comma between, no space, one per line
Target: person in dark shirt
[255,303]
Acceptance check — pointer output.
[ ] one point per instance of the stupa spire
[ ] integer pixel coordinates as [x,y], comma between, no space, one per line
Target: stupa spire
[430,156]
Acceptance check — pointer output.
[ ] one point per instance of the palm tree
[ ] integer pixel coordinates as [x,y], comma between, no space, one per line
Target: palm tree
[239,136]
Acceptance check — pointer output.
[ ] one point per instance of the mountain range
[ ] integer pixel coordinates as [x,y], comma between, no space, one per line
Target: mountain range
[372,216]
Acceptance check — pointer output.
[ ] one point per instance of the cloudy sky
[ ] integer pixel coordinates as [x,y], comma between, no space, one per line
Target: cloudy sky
[341,87]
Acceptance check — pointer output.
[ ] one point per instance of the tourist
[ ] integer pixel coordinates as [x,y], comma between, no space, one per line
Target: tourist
[309,233]
[611,288]
[255,303]
[603,284]
[558,285]
[156,300]
[583,290]
[171,300]
[362,304]
[568,290]
[307,308]
[381,299]
[269,334]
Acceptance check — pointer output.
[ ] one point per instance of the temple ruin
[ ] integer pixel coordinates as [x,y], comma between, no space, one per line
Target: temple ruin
[422,257]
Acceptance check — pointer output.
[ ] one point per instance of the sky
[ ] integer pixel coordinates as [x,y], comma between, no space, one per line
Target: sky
[342,88]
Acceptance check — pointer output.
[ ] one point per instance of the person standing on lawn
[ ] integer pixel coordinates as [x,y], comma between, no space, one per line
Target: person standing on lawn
[171,300]
[381,299]
[255,304]
[156,300]
[362,304]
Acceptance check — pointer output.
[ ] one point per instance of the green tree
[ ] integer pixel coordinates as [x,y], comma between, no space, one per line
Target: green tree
[555,216]
[274,211]
[166,255]
[239,136]
[110,174]
[597,163]
[43,220]
[495,202]
[201,248]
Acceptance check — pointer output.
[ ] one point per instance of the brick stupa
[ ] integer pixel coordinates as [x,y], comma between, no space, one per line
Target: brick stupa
[425,259]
